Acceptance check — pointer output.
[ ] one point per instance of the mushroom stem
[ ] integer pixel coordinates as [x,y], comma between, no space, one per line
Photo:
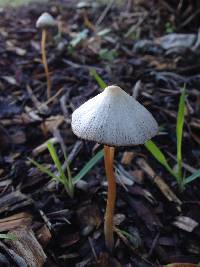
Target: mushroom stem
[108,226]
[44,61]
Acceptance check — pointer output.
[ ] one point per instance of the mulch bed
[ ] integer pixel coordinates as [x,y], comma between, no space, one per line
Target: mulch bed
[154,229]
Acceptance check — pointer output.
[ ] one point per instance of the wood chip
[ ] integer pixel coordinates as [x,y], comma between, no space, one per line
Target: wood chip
[14,200]
[185,223]
[41,148]
[119,218]
[164,188]
[53,122]
[14,257]
[181,265]
[127,157]
[5,139]
[18,137]
[14,221]
[89,216]
[27,246]
[44,235]
[105,261]
[138,176]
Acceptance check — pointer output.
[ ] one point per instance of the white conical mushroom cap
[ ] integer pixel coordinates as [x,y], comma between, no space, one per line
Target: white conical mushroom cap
[46,21]
[114,118]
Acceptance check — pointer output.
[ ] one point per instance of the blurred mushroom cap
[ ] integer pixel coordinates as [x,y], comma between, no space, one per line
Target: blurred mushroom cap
[46,21]
[114,118]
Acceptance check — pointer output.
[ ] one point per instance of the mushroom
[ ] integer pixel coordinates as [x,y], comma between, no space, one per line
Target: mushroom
[113,118]
[44,22]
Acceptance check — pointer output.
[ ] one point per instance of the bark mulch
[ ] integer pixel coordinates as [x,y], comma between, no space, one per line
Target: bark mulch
[156,223]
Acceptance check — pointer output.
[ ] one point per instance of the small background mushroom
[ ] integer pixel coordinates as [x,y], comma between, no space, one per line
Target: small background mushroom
[44,22]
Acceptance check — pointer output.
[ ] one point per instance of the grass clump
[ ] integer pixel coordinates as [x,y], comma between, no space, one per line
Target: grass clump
[182,180]
[160,157]
[60,176]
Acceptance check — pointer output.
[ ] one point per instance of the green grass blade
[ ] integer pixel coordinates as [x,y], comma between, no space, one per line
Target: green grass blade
[134,239]
[98,79]
[89,165]
[8,236]
[69,183]
[67,163]
[68,180]
[192,177]
[179,132]
[56,160]
[62,177]
[158,155]
[43,169]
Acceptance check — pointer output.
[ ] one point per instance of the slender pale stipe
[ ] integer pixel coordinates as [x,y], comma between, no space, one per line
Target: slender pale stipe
[109,224]
[44,61]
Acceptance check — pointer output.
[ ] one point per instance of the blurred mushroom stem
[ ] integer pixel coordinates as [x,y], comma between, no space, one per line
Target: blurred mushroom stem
[108,225]
[44,61]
